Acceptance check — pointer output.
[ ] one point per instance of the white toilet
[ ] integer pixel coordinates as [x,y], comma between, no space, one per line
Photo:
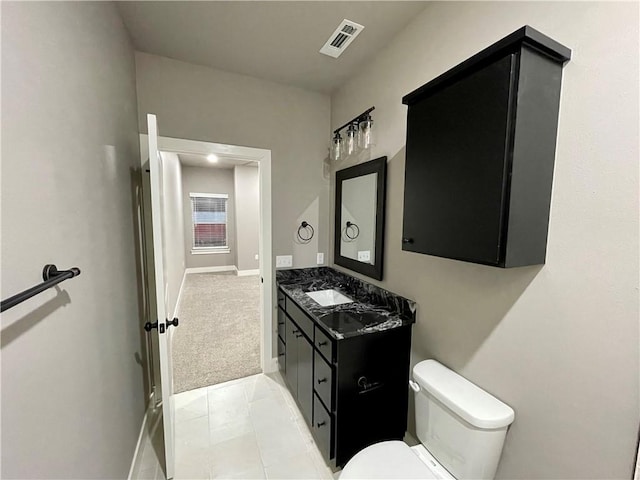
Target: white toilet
[461,427]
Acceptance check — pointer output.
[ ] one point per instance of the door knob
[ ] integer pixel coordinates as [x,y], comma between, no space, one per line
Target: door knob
[173,322]
[160,326]
[148,326]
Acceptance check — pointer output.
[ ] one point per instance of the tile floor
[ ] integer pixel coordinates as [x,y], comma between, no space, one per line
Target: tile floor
[249,428]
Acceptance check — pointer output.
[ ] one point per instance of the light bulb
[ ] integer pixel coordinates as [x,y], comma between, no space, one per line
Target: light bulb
[365,134]
[351,143]
[212,158]
[336,148]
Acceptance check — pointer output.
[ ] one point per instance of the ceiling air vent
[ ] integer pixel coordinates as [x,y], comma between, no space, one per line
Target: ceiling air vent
[341,38]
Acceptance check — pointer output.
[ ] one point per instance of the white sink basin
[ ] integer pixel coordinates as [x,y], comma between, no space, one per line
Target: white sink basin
[328,298]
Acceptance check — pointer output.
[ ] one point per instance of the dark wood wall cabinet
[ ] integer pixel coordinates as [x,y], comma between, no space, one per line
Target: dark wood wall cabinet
[480,152]
[352,392]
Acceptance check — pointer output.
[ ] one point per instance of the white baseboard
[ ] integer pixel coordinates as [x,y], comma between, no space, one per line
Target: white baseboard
[242,273]
[272,366]
[137,454]
[223,268]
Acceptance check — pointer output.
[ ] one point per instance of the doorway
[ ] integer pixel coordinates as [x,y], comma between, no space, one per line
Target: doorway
[219,306]
[166,261]
[261,158]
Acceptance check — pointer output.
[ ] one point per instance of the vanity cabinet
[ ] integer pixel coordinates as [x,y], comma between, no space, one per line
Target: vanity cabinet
[370,376]
[353,392]
[480,153]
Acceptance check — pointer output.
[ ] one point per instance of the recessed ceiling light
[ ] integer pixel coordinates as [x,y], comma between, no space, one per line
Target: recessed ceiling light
[212,158]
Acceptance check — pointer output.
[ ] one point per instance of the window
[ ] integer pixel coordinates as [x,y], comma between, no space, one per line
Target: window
[209,219]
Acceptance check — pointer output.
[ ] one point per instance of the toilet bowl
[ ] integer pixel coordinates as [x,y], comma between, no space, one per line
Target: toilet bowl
[460,426]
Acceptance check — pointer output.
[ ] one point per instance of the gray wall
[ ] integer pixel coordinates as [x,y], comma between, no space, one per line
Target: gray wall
[247,203]
[172,227]
[208,180]
[72,397]
[202,103]
[558,342]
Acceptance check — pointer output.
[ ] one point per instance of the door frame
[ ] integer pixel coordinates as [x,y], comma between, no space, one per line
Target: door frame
[263,158]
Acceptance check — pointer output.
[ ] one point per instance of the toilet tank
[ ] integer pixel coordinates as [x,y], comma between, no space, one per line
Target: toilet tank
[460,424]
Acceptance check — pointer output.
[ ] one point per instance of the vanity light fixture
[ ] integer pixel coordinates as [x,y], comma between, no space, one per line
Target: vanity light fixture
[212,158]
[359,136]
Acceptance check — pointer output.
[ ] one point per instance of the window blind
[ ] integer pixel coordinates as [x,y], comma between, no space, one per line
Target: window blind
[209,218]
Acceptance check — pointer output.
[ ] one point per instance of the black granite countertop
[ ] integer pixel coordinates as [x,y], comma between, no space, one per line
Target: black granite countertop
[373,309]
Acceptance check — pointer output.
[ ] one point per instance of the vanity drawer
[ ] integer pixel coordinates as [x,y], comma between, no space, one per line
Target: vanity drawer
[301,318]
[322,428]
[281,329]
[280,298]
[323,381]
[324,345]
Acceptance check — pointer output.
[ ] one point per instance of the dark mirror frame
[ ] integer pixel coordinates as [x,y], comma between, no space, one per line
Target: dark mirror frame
[379,166]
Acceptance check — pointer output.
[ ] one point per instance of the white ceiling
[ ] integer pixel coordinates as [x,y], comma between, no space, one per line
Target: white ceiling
[195,160]
[277,41]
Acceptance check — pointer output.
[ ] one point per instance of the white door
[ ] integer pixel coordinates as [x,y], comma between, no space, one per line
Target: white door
[161,330]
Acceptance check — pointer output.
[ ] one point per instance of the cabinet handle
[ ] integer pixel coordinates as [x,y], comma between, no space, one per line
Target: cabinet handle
[322,344]
[295,331]
[320,424]
[281,354]
[298,336]
[321,380]
[407,240]
[280,323]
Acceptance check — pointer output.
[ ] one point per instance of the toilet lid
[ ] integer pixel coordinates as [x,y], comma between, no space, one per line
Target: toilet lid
[393,459]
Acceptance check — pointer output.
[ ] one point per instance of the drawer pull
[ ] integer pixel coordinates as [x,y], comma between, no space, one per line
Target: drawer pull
[298,335]
[320,424]
[321,380]
[295,331]
[280,323]
[322,344]
[281,354]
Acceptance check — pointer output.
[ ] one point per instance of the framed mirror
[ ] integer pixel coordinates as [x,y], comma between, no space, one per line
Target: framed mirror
[359,223]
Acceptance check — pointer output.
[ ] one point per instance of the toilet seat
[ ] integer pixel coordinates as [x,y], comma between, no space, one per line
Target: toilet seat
[384,460]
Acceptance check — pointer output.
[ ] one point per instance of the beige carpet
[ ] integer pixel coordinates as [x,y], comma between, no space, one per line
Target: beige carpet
[219,334]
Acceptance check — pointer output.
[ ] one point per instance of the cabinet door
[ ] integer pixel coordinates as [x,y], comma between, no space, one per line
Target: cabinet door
[281,356]
[455,167]
[305,377]
[291,358]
